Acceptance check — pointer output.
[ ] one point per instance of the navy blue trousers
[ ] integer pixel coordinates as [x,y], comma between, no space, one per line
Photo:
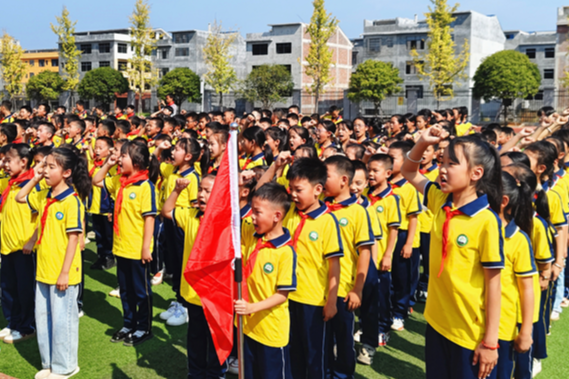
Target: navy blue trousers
[174,254]
[157,263]
[506,360]
[384,301]
[340,333]
[369,311]
[401,278]
[541,327]
[307,341]
[103,229]
[415,274]
[263,362]
[424,249]
[136,293]
[18,281]
[446,360]
[202,358]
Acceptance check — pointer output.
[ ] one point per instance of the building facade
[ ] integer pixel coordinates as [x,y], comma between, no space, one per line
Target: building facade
[39,61]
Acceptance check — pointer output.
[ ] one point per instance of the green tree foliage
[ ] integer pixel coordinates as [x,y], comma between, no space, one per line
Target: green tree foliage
[45,86]
[441,65]
[506,75]
[373,81]
[267,84]
[319,60]
[13,68]
[221,75]
[102,84]
[68,51]
[141,74]
[182,83]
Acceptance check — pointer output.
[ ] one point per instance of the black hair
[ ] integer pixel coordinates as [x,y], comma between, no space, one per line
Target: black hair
[62,107]
[519,207]
[359,165]
[27,108]
[7,104]
[305,119]
[159,122]
[172,121]
[169,108]
[107,140]
[48,125]
[480,153]
[277,134]
[10,130]
[401,120]
[489,136]
[404,146]
[70,158]
[41,150]
[517,157]
[141,157]
[384,159]
[135,120]
[546,155]
[294,116]
[557,142]
[375,124]
[266,120]
[359,150]
[109,126]
[507,130]
[311,169]
[23,151]
[124,126]
[80,102]
[295,107]
[190,146]
[256,134]
[303,133]
[46,107]
[130,106]
[310,149]
[343,166]
[275,194]
[215,126]
[545,111]
[204,115]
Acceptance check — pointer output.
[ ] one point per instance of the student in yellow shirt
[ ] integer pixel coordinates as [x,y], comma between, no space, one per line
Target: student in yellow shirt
[202,359]
[217,145]
[133,225]
[17,272]
[357,240]
[60,213]
[387,206]
[463,307]
[253,143]
[270,275]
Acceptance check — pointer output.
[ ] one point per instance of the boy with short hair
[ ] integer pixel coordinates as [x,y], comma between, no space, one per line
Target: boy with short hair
[357,237]
[269,275]
[386,205]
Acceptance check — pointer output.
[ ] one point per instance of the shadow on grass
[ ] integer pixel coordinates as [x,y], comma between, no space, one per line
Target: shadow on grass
[96,306]
[390,366]
[163,358]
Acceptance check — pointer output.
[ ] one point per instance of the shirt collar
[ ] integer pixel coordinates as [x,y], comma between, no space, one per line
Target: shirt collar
[186,172]
[65,194]
[365,202]
[560,173]
[318,211]
[352,200]
[258,156]
[245,210]
[199,214]
[471,209]
[279,241]
[384,193]
[511,229]
[401,183]
[433,167]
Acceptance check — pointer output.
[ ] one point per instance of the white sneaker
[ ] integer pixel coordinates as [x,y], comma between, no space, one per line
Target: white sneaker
[554,316]
[43,374]
[564,303]
[366,355]
[357,336]
[57,376]
[233,364]
[16,337]
[116,292]
[398,324]
[157,279]
[168,313]
[536,367]
[180,316]
[81,313]
[4,333]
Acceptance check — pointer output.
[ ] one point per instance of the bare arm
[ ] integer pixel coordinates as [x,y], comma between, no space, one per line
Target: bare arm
[388,255]
[147,238]
[268,176]
[99,178]
[244,308]
[524,339]
[354,297]
[330,308]
[63,280]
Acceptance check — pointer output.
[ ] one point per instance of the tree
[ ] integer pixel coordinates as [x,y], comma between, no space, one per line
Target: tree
[374,81]
[141,74]
[102,84]
[182,83]
[220,75]
[319,60]
[45,86]
[440,65]
[13,68]
[267,84]
[506,75]
[65,31]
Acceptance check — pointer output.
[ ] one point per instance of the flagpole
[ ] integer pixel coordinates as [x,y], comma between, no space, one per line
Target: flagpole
[234,171]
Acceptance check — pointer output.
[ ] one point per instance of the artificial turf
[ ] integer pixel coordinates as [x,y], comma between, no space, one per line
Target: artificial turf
[165,355]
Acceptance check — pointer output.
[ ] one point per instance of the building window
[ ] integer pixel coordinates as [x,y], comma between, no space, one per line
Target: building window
[530,53]
[182,52]
[416,44]
[284,48]
[31,74]
[54,62]
[104,64]
[388,42]
[164,71]
[354,57]
[86,48]
[550,52]
[123,65]
[410,68]
[181,37]
[510,36]
[373,44]
[537,96]
[164,53]
[261,49]
[32,62]
[85,66]
[288,67]
[104,48]
[548,73]
[418,89]
[41,62]
[123,48]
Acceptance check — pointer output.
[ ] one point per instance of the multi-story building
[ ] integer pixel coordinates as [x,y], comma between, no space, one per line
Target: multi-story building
[288,45]
[562,50]
[39,61]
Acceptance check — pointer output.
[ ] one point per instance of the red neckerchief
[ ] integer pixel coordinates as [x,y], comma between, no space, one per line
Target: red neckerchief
[251,264]
[332,207]
[374,199]
[171,103]
[50,201]
[303,217]
[247,161]
[28,175]
[449,215]
[119,115]
[133,133]
[126,181]
[129,115]
[96,163]
[19,140]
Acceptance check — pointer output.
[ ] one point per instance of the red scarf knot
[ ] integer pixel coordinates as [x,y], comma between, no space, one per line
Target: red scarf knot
[28,175]
[449,215]
[125,182]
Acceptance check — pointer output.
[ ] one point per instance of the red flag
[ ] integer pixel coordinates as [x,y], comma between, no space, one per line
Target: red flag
[210,266]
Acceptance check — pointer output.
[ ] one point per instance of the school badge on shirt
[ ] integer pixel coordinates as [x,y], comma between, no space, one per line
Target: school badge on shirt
[462,240]
[343,221]
[59,216]
[268,268]
[313,236]
[132,196]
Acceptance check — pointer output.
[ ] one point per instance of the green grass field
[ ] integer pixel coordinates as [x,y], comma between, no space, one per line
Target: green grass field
[165,355]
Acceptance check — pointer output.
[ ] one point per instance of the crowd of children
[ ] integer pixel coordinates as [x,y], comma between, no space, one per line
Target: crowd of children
[342,221]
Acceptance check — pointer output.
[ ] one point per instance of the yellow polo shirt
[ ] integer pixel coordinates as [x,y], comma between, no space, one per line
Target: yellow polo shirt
[188,219]
[410,205]
[426,217]
[389,215]
[100,201]
[188,196]
[253,161]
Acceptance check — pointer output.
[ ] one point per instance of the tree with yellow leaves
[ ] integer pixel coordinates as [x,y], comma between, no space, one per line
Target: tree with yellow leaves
[220,75]
[319,60]
[13,68]
[65,31]
[441,65]
[141,73]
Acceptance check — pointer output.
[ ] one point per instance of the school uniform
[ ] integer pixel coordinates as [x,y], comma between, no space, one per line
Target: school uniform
[316,238]
[355,231]
[18,270]
[426,222]
[455,310]
[253,161]
[560,188]
[405,272]
[387,208]
[518,263]
[272,267]
[174,237]
[139,201]
[57,313]
[99,206]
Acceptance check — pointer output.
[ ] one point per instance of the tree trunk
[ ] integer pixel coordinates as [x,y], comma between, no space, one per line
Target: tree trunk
[505,115]
[316,97]
[221,101]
